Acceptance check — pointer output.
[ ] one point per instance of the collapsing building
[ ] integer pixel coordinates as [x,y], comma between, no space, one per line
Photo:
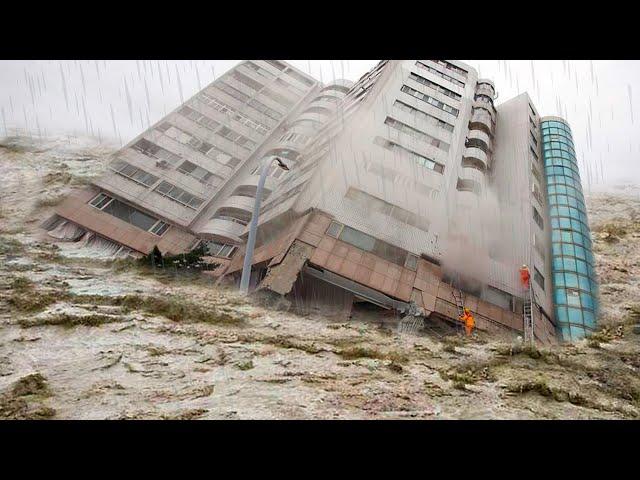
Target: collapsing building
[409,189]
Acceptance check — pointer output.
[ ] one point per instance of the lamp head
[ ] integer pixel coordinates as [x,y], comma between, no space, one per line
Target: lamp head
[281,164]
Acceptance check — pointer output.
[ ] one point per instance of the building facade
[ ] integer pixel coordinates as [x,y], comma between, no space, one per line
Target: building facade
[409,189]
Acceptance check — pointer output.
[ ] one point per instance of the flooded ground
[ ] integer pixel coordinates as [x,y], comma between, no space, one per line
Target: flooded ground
[87,339]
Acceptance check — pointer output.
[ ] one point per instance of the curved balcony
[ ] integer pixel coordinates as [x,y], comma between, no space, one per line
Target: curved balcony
[480,139]
[483,102]
[222,230]
[476,155]
[486,87]
[252,180]
[314,117]
[481,120]
[473,175]
[239,202]
[469,186]
[330,105]
[305,127]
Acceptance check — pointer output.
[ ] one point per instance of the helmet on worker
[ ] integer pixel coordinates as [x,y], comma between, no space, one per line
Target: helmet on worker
[466,310]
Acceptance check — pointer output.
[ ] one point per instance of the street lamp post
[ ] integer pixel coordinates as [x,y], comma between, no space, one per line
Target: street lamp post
[251,241]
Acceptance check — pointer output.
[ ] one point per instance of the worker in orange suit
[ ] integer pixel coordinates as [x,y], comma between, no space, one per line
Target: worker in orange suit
[525,276]
[469,322]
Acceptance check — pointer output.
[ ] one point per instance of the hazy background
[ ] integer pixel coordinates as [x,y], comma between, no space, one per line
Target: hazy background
[116,100]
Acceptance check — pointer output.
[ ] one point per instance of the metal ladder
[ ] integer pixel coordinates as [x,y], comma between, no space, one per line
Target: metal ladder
[458,297]
[527,317]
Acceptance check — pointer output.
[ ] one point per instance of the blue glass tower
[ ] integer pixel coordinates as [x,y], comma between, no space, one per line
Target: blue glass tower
[575,288]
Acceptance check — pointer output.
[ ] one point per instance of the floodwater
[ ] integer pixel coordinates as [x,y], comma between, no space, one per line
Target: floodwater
[68,349]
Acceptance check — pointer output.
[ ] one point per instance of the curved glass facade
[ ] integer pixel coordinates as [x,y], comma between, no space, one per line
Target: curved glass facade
[575,288]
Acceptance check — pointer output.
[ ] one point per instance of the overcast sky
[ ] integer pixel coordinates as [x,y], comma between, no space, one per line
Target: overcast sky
[116,100]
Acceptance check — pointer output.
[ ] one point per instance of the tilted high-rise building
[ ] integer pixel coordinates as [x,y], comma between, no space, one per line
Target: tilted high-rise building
[409,189]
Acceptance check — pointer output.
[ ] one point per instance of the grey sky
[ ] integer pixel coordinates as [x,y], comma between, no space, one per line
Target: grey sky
[116,100]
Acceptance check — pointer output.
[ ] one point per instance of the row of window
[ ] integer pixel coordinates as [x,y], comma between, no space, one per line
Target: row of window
[200,118]
[558,138]
[574,280]
[371,244]
[560,158]
[416,157]
[201,146]
[571,201]
[571,250]
[244,98]
[133,173]
[235,115]
[574,298]
[435,86]
[573,265]
[415,133]
[573,321]
[566,190]
[178,195]
[574,224]
[449,78]
[452,67]
[216,249]
[423,115]
[555,124]
[556,211]
[246,81]
[556,131]
[152,150]
[558,146]
[237,138]
[129,214]
[430,100]
[371,203]
[570,236]
[562,171]
[564,180]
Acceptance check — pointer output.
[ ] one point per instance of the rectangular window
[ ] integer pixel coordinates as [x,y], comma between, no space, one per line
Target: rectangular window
[435,86]
[216,249]
[395,124]
[417,158]
[538,218]
[178,195]
[129,214]
[159,228]
[423,115]
[100,201]
[334,229]
[133,173]
[430,100]
[539,279]
[533,139]
[193,170]
[533,152]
